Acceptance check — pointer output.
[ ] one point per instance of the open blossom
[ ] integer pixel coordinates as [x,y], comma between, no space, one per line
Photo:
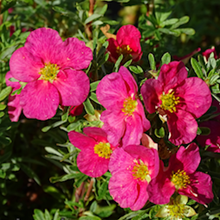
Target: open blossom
[52,70]
[132,168]
[14,108]
[124,116]
[95,153]
[127,42]
[181,176]
[178,100]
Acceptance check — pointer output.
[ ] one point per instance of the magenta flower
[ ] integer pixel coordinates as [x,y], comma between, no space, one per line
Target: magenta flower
[127,42]
[52,70]
[132,169]
[14,108]
[181,176]
[178,100]
[208,52]
[95,149]
[124,116]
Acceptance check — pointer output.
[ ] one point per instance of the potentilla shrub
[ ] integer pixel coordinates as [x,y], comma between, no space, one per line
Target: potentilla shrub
[132,124]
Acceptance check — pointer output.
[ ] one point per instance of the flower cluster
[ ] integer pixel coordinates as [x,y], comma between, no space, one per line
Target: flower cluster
[49,73]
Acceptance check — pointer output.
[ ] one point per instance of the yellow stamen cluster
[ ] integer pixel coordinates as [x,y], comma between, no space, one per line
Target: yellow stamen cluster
[49,72]
[140,171]
[169,102]
[177,211]
[129,106]
[103,150]
[124,49]
[180,179]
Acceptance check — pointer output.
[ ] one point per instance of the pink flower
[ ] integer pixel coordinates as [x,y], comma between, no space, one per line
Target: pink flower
[181,176]
[127,42]
[52,70]
[95,149]
[178,99]
[132,169]
[124,116]
[208,52]
[14,108]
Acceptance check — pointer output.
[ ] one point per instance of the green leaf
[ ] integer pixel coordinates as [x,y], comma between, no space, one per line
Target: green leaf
[136,69]
[56,216]
[2,106]
[65,177]
[89,218]
[127,63]
[93,97]
[5,92]
[94,85]
[92,18]
[170,32]
[169,21]
[181,21]
[30,173]
[159,132]
[2,114]
[213,79]
[152,61]
[188,31]
[73,126]
[215,89]
[117,64]
[197,68]
[47,215]
[102,190]
[162,15]
[54,192]
[89,107]
[166,58]
[38,215]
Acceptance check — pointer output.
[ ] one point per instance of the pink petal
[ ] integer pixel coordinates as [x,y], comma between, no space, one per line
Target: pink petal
[182,127]
[24,66]
[200,188]
[39,99]
[172,74]
[78,55]
[97,134]
[129,80]
[123,188]
[112,91]
[73,87]
[81,141]
[91,164]
[111,49]
[148,142]
[134,130]
[114,125]
[188,157]
[150,91]
[14,108]
[196,95]
[46,44]
[161,189]
[142,196]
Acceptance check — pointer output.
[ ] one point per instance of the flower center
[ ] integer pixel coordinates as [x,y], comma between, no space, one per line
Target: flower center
[169,102]
[129,106]
[49,72]
[103,150]
[140,171]
[176,211]
[180,179]
[124,49]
